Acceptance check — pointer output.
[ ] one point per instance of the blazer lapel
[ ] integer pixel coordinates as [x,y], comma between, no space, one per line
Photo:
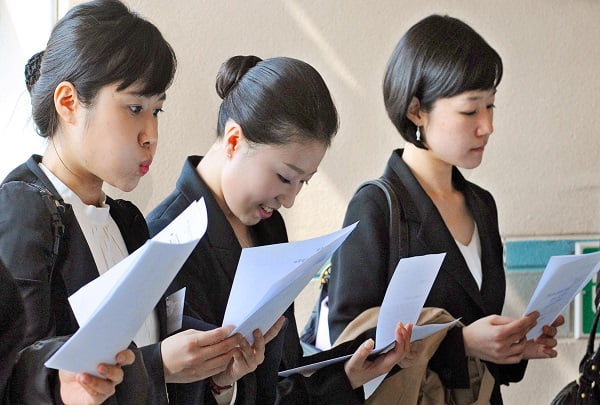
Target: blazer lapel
[431,231]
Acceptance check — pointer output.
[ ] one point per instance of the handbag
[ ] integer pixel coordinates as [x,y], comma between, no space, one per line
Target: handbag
[586,389]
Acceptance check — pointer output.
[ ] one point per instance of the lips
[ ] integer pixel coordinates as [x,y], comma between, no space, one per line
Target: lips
[265,211]
[145,167]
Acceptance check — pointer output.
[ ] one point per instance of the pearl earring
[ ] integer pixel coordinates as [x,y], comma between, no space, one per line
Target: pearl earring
[418,134]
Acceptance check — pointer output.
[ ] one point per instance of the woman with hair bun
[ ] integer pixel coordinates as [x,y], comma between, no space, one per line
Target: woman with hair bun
[275,123]
[96,93]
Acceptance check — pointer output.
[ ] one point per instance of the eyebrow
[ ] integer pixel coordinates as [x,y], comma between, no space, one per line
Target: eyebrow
[162,97]
[297,169]
[474,98]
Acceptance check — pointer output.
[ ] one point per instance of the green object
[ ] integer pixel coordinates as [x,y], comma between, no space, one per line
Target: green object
[587,304]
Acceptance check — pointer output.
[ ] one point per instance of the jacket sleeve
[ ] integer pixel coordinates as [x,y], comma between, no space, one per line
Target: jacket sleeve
[359,273]
[26,251]
[12,327]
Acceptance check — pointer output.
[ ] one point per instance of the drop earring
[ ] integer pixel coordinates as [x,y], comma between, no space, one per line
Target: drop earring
[418,134]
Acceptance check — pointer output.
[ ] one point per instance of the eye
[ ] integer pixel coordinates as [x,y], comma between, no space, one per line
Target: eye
[135,109]
[156,111]
[283,179]
[491,106]
[469,112]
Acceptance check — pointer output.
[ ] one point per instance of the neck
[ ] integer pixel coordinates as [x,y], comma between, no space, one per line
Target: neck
[88,189]
[210,169]
[433,174]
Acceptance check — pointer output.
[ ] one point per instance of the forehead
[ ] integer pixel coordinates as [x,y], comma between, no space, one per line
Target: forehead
[298,156]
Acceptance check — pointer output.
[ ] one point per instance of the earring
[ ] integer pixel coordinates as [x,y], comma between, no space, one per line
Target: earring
[418,134]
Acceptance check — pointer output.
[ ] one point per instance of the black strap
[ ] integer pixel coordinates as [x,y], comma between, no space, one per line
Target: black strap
[398,225]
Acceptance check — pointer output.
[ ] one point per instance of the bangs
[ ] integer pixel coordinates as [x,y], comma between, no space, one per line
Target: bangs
[463,66]
[138,55]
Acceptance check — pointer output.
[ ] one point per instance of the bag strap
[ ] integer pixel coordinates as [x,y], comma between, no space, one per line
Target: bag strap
[398,225]
[53,205]
[591,353]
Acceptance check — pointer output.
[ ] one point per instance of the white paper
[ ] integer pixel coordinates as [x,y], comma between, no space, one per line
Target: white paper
[175,304]
[112,308]
[561,281]
[403,301]
[269,278]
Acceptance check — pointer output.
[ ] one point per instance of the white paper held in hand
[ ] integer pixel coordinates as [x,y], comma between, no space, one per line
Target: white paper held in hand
[404,298]
[563,277]
[112,308]
[269,278]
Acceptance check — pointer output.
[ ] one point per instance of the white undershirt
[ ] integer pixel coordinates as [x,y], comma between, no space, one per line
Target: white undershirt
[105,242]
[472,255]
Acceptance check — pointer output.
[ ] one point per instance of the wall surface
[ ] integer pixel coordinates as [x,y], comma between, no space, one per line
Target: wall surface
[542,163]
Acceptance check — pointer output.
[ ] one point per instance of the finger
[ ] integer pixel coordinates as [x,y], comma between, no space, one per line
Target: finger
[211,337]
[560,320]
[360,355]
[125,357]
[219,362]
[206,352]
[259,346]
[274,331]
[517,329]
[96,387]
[111,373]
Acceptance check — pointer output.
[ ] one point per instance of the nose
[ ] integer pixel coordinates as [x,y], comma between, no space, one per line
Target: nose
[486,123]
[288,196]
[148,136]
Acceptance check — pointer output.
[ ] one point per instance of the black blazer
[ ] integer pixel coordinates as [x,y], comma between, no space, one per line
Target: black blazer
[359,275]
[26,245]
[12,327]
[208,275]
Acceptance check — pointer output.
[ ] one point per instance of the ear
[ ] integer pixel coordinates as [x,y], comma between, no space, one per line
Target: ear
[414,112]
[232,137]
[66,102]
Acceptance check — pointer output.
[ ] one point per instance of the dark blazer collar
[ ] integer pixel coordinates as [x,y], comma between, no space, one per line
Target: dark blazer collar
[432,231]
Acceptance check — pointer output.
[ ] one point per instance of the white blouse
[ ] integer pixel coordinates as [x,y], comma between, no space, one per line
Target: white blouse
[472,255]
[105,242]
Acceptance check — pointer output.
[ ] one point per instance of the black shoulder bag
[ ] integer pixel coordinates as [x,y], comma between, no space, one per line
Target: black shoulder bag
[399,240]
[586,389]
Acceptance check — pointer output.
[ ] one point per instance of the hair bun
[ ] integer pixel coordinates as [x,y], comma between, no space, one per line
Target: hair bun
[232,70]
[32,70]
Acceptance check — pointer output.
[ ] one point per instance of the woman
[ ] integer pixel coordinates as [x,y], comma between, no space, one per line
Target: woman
[439,91]
[275,124]
[96,92]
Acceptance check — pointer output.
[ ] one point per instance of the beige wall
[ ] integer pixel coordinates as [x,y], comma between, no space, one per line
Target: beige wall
[543,162]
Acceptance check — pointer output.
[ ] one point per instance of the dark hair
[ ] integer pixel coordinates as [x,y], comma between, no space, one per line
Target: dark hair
[95,44]
[275,101]
[438,57]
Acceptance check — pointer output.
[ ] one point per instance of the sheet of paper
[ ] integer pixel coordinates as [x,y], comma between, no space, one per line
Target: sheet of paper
[562,279]
[406,294]
[404,298]
[111,309]
[269,278]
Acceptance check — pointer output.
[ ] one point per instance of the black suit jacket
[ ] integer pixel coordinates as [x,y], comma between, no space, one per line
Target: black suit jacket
[208,276]
[12,326]
[26,245]
[360,274]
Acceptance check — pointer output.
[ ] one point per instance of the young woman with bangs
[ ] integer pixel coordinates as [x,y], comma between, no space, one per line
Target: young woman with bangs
[96,93]
[439,91]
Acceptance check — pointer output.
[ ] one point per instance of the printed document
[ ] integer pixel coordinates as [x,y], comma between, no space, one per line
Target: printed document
[562,280]
[269,278]
[404,298]
[112,308]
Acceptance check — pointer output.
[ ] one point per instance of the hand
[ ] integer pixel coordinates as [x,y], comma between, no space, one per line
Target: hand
[194,355]
[543,347]
[246,358]
[361,370]
[412,357]
[86,389]
[498,339]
